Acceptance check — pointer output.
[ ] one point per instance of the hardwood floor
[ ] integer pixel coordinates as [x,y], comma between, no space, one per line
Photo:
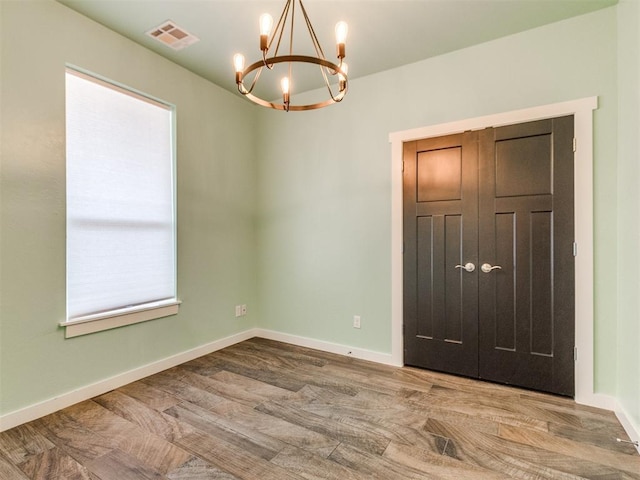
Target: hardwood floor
[265,410]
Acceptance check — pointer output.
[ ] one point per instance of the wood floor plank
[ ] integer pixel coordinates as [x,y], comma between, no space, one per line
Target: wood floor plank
[500,409]
[301,356]
[236,365]
[138,413]
[10,470]
[314,467]
[461,384]
[104,422]
[386,382]
[271,372]
[274,427]
[151,450]
[238,462]
[389,412]
[21,442]
[149,395]
[186,386]
[199,469]
[603,436]
[249,440]
[376,466]
[72,438]
[54,464]
[270,345]
[205,365]
[629,463]
[118,465]
[221,385]
[590,418]
[366,440]
[396,424]
[285,358]
[440,466]
[245,390]
[521,413]
[475,449]
[520,461]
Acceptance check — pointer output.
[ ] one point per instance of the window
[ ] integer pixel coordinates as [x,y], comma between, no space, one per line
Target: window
[121,242]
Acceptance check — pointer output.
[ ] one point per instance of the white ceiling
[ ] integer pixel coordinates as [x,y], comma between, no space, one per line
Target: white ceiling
[383,34]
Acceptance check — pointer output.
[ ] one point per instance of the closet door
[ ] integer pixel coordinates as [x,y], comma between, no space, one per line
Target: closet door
[526,271]
[488,259]
[441,245]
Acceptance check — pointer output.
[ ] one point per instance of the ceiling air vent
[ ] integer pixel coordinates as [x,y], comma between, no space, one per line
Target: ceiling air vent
[172,35]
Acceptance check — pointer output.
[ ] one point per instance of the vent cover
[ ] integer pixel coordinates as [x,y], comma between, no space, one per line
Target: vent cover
[172,36]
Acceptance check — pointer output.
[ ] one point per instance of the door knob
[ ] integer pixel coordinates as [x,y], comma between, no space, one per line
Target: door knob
[486,268]
[469,267]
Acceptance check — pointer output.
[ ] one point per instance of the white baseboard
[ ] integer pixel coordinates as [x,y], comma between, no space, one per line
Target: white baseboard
[598,400]
[362,354]
[32,412]
[629,426]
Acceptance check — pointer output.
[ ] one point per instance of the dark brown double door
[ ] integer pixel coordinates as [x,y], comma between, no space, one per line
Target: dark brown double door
[489,254]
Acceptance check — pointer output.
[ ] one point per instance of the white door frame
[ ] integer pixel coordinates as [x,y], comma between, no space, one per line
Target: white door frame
[582,110]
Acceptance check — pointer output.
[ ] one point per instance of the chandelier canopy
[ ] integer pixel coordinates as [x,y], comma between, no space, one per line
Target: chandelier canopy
[334,75]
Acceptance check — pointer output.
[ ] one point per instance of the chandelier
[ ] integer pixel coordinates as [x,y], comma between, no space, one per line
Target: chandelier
[334,75]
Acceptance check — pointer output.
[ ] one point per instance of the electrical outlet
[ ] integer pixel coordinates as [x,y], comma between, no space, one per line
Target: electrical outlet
[356,321]
[238,310]
[243,309]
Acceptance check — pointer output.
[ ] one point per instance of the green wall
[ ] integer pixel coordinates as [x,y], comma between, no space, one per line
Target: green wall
[216,206]
[628,353]
[325,177]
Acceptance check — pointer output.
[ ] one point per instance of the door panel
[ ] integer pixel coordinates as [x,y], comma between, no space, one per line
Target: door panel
[523,166]
[541,283]
[526,228]
[504,285]
[440,174]
[501,196]
[440,231]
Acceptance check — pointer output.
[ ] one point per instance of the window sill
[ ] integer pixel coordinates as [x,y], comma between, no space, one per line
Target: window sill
[119,318]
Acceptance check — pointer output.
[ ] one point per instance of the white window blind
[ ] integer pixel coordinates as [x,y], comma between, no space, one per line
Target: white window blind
[120,200]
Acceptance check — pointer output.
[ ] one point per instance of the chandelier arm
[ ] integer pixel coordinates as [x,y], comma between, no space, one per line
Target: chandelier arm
[279,30]
[343,91]
[312,33]
[244,90]
[316,42]
[293,21]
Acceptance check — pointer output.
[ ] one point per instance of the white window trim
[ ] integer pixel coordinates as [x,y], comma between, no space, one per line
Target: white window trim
[120,317]
[139,313]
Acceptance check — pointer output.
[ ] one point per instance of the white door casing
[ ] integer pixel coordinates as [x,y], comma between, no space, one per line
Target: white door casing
[582,110]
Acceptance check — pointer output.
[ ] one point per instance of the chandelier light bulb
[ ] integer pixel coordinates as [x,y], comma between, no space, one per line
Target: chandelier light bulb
[284,83]
[266,22]
[341,37]
[341,32]
[238,62]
